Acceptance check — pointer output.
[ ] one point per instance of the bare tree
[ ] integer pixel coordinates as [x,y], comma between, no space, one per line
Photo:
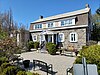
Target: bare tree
[7,23]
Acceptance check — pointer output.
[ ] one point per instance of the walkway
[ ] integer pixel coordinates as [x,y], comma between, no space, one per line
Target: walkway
[60,62]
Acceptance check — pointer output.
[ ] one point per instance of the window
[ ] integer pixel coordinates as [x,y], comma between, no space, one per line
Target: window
[67,22]
[62,23]
[34,37]
[50,25]
[61,37]
[38,26]
[73,37]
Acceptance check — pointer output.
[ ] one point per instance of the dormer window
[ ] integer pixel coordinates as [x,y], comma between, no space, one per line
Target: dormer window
[38,26]
[50,25]
[68,22]
[62,23]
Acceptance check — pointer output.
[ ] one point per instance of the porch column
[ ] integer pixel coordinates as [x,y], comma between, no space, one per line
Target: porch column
[43,37]
[52,38]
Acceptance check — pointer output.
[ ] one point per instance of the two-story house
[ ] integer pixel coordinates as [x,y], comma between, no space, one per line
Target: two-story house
[72,28]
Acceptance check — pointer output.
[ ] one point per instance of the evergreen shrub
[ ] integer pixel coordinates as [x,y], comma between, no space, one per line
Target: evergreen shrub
[51,47]
[92,55]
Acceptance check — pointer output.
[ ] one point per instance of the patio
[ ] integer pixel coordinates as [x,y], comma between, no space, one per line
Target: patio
[60,62]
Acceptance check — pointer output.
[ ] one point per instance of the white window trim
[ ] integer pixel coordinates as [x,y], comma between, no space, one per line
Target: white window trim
[36,38]
[48,23]
[76,37]
[62,38]
[73,22]
[33,37]
[38,28]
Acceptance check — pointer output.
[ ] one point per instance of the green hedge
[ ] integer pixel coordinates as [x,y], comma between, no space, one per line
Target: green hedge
[3,60]
[30,44]
[51,47]
[11,70]
[4,66]
[36,45]
[92,55]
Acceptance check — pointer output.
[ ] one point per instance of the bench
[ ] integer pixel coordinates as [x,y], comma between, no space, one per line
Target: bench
[42,66]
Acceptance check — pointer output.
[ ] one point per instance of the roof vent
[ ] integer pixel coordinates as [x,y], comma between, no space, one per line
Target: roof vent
[40,17]
[87,5]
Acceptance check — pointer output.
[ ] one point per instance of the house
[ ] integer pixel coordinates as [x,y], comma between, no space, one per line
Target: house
[68,29]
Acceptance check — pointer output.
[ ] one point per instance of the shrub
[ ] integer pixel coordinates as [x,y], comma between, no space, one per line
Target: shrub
[36,45]
[21,73]
[3,60]
[84,47]
[51,47]
[11,70]
[30,44]
[5,65]
[92,55]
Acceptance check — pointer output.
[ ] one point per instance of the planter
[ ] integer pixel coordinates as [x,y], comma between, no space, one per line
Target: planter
[26,63]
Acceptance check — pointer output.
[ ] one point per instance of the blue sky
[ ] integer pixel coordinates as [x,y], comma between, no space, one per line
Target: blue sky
[27,11]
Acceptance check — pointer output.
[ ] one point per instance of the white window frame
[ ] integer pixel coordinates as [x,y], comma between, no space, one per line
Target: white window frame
[38,26]
[59,37]
[50,24]
[68,22]
[33,37]
[74,36]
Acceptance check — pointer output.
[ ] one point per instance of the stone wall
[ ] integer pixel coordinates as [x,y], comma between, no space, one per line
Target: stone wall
[81,38]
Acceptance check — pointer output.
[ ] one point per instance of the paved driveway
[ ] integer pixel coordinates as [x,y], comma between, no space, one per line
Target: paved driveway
[60,62]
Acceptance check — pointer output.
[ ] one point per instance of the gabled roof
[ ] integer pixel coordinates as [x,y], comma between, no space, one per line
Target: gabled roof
[64,15]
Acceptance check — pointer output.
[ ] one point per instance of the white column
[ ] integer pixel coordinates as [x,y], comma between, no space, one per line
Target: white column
[52,38]
[43,37]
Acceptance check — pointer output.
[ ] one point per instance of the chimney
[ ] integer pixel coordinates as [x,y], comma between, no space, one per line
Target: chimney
[87,5]
[40,17]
